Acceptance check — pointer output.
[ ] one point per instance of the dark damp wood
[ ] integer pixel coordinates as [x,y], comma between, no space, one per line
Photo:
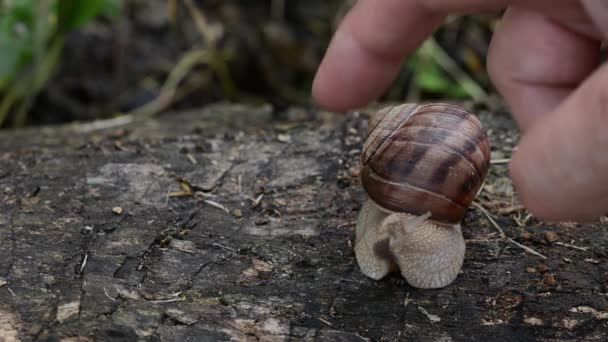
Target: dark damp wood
[281,267]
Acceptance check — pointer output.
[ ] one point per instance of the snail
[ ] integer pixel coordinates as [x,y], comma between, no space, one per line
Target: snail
[421,167]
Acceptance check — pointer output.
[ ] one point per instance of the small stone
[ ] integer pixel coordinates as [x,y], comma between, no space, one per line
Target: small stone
[549,280]
[526,236]
[261,221]
[533,321]
[551,236]
[117,210]
[261,265]
[126,294]
[284,138]
[237,213]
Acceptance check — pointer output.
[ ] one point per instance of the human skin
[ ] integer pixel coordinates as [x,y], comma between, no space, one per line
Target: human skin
[545,61]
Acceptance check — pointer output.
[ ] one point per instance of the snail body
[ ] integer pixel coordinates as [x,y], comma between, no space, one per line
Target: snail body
[421,167]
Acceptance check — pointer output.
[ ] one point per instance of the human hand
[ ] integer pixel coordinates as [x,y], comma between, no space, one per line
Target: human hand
[545,61]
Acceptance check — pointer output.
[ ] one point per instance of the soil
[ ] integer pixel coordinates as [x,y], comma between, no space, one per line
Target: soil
[270,49]
[226,223]
[119,64]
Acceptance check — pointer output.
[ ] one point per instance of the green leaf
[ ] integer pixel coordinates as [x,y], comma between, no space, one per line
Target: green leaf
[13,54]
[430,78]
[458,92]
[74,14]
[112,8]
[16,39]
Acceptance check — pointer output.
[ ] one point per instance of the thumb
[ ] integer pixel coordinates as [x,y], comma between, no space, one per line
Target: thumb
[561,165]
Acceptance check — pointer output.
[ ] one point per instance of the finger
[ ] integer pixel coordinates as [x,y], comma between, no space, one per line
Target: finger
[561,165]
[598,11]
[454,6]
[368,49]
[536,63]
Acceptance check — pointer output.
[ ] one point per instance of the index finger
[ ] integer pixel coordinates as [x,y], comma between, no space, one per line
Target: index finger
[367,50]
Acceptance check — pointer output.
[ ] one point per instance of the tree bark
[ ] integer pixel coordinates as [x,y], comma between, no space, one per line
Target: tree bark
[228,223]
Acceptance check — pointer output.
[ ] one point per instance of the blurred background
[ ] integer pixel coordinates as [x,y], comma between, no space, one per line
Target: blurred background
[70,60]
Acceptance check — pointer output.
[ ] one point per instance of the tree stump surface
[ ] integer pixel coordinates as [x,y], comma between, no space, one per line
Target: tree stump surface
[231,223]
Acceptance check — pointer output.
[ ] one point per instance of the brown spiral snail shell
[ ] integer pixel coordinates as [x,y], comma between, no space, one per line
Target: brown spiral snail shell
[421,167]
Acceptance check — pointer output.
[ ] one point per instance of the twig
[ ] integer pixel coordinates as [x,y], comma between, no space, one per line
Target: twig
[166,300]
[224,247]
[584,249]
[179,72]
[99,125]
[107,295]
[489,217]
[500,161]
[481,240]
[527,249]
[217,205]
[502,233]
[255,201]
[202,24]
[407,300]
[521,222]
[324,321]
[84,262]
[191,158]
[511,209]
[432,318]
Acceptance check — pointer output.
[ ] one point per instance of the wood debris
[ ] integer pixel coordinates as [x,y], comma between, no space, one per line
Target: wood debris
[503,235]
[532,320]
[432,318]
[600,315]
[191,158]
[67,310]
[584,249]
[217,205]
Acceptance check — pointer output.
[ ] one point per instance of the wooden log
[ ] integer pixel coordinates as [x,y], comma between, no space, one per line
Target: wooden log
[227,223]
